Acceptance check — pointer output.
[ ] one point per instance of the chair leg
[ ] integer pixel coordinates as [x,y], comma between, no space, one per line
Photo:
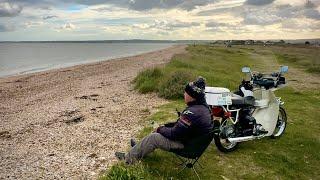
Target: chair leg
[185,166]
[196,172]
[182,161]
[190,164]
[200,164]
[195,161]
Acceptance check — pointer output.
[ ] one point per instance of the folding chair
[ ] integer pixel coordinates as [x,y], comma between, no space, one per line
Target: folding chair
[192,151]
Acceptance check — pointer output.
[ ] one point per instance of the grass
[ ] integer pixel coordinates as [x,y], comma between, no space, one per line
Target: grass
[209,62]
[305,58]
[293,156]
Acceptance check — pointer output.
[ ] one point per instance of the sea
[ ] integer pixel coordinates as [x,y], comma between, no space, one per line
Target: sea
[27,57]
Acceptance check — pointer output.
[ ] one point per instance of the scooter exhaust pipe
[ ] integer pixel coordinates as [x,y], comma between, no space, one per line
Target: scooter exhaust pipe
[242,139]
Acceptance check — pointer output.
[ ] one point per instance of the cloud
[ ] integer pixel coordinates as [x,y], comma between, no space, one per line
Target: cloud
[287,11]
[259,2]
[49,17]
[221,7]
[309,4]
[216,24]
[9,10]
[166,25]
[33,24]
[192,4]
[6,28]
[260,19]
[180,24]
[144,5]
[300,25]
[268,16]
[176,19]
[67,26]
[312,14]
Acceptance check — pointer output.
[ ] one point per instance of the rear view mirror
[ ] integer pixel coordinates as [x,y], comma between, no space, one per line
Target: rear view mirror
[284,69]
[246,70]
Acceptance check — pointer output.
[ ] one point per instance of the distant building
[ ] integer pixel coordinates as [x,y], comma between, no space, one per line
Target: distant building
[268,43]
[228,43]
[259,42]
[249,42]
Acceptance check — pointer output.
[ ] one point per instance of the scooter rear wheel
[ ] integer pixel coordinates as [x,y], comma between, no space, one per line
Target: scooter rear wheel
[281,123]
[224,145]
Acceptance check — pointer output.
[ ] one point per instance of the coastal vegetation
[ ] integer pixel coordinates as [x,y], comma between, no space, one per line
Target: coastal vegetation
[293,156]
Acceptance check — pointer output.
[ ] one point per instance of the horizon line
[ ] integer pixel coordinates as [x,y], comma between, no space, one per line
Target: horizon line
[318,38]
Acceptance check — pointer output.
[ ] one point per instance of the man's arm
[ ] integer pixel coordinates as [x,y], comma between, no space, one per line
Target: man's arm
[180,128]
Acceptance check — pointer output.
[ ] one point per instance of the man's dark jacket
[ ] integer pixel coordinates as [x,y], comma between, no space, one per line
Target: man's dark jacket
[194,121]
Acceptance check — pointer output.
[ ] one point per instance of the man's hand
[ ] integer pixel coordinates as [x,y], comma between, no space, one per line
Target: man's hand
[170,124]
[178,113]
[156,129]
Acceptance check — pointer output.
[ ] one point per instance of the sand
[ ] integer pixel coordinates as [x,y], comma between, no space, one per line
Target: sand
[67,123]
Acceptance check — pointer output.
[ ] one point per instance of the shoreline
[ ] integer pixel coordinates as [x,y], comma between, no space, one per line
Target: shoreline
[52,66]
[68,122]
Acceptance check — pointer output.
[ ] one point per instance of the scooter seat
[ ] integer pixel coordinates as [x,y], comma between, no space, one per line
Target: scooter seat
[246,101]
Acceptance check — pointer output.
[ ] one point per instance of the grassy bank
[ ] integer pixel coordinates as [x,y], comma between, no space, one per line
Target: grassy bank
[293,156]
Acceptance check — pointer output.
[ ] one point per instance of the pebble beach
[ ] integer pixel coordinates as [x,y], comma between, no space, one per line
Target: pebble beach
[67,123]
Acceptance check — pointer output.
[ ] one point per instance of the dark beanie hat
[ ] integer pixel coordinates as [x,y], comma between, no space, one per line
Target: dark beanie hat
[196,89]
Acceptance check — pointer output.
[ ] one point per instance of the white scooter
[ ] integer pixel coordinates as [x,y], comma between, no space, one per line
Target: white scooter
[251,113]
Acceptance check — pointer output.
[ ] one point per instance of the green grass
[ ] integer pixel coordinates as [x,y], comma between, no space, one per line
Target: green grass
[293,156]
[213,63]
[305,58]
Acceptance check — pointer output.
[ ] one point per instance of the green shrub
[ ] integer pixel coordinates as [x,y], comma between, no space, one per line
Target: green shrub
[172,86]
[147,80]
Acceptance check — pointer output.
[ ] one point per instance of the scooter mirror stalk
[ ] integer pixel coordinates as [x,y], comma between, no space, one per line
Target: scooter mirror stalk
[246,70]
[284,69]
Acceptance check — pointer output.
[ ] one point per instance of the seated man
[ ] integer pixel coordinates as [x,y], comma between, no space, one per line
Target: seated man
[193,122]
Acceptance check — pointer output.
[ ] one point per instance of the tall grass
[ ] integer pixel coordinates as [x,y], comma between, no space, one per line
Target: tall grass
[306,58]
[148,80]
[211,63]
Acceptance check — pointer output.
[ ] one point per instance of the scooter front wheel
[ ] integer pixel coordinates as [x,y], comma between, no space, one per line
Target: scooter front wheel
[281,123]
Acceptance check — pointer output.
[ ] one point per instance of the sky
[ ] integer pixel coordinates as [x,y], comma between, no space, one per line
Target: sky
[54,20]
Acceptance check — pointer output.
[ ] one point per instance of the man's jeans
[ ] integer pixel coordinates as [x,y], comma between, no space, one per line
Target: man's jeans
[148,144]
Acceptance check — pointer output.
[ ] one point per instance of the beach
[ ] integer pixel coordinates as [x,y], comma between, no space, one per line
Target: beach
[67,123]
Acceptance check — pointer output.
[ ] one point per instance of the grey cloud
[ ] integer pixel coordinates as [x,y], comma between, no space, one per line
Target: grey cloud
[213,11]
[180,24]
[165,25]
[287,11]
[49,17]
[9,9]
[173,25]
[216,24]
[191,4]
[312,14]
[6,28]
[259,20]
[309,4]
[103,9]
[259,2]
[138,5]
[141,5]
[29,2]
